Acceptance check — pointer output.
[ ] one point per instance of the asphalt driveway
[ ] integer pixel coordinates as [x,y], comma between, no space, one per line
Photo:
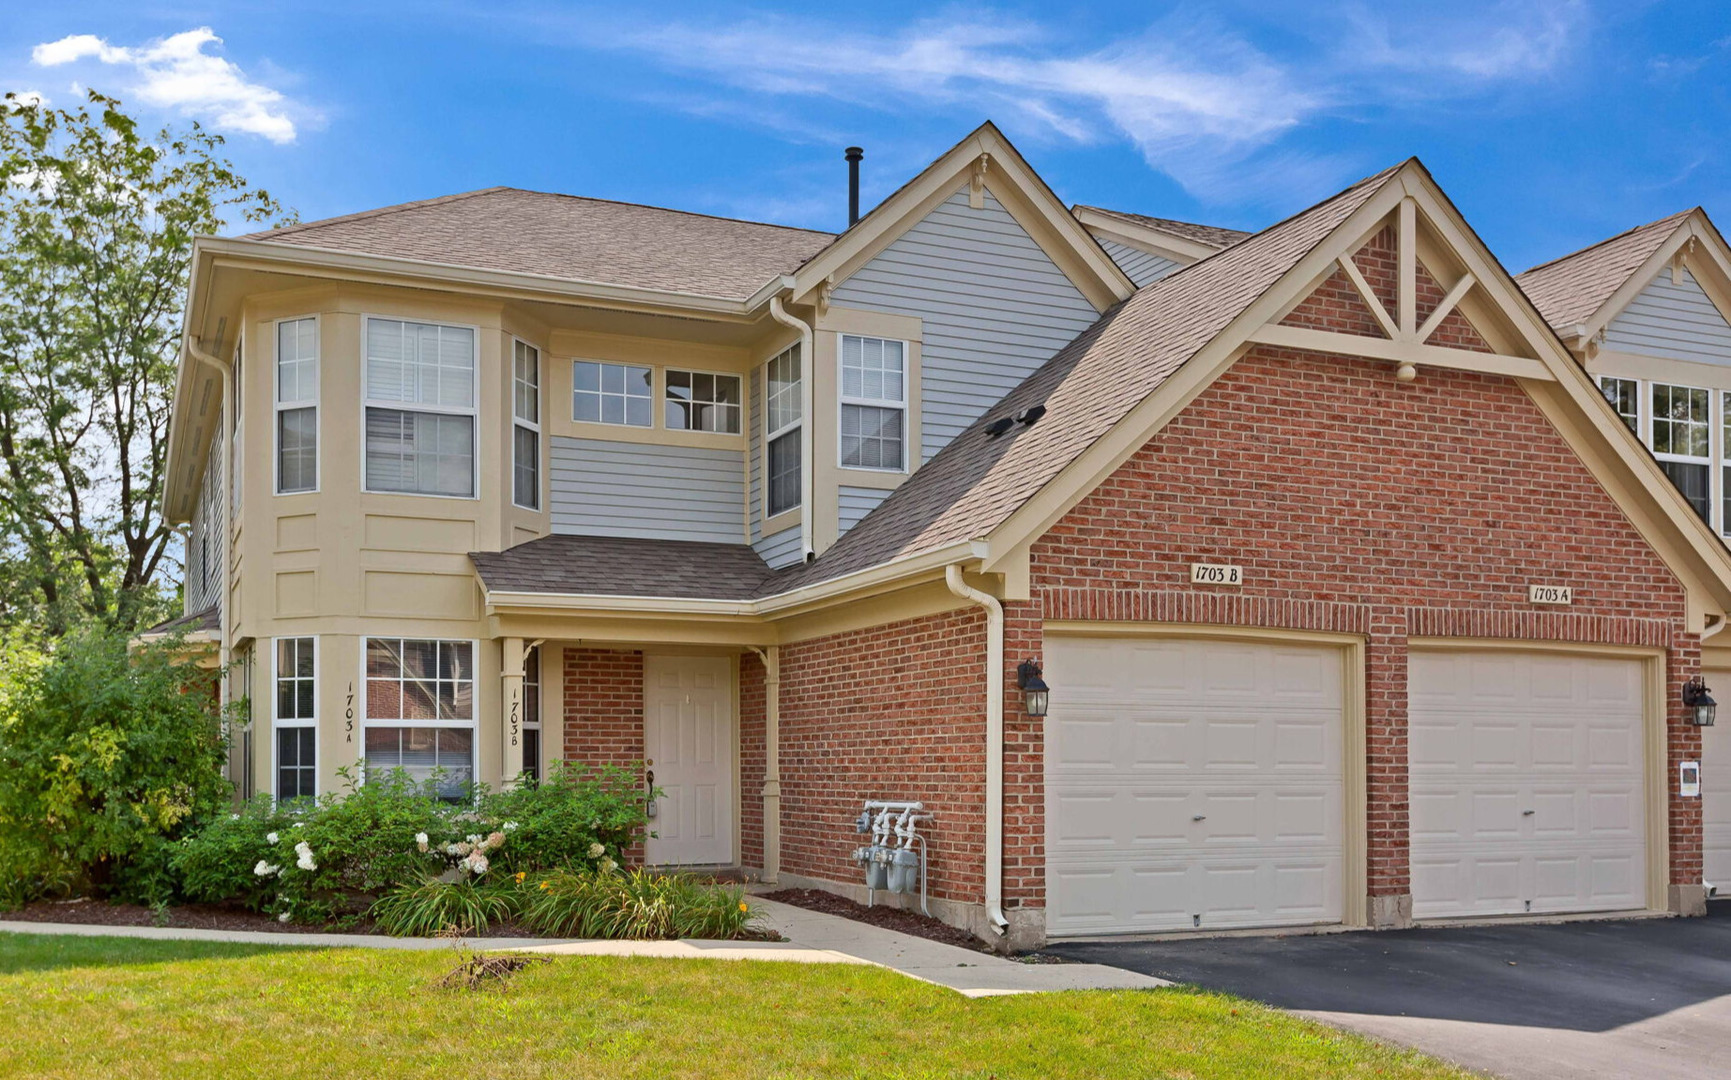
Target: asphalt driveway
[1637,998]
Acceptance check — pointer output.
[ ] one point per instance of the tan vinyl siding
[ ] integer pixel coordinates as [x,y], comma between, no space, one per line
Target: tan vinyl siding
[1672,320]
[659,492]
[1142,267]
[993,305]
[779,549]
[854,503]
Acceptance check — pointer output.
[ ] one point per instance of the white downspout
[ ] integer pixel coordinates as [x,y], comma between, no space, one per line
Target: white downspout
[807,447]
[1714,629]
[994,742]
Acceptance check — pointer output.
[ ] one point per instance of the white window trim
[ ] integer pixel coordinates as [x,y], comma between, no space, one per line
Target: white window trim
[368,721]
[276,722]
[535,426]
[1718,458]
[473,411]
[843,400]
[661,381]
[278,407]
[1707,422]
[770,436]
[657,390]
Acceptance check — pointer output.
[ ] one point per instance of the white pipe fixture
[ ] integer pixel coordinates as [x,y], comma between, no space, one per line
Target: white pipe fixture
[806,443]
[994,742]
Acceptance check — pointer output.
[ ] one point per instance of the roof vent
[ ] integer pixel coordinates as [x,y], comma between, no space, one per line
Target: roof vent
[853,156]
[999,426]
[1030,415]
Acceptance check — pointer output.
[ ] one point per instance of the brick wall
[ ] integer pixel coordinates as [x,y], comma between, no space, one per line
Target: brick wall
[603,697]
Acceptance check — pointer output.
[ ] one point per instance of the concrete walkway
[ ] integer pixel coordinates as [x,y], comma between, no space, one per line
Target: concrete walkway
[813,938]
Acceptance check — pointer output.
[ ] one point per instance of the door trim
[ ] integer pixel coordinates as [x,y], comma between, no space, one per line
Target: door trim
[1655,774]
[1355,818]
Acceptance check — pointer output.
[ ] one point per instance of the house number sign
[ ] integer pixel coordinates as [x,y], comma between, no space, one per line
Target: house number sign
[1551,594]
[1216,574]
[349,715]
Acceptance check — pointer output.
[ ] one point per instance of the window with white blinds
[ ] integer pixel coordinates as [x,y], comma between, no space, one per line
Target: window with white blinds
[420,408]
[297,406]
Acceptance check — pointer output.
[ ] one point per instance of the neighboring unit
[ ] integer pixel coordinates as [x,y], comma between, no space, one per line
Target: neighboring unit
[1356,601]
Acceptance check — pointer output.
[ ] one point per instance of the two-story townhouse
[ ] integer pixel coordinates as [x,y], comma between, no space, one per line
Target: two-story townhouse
[1648,313]
[1356,601]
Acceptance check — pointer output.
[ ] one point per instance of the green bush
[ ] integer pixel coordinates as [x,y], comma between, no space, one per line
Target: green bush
[107,757]
[216,864]
[434,906]
[638,906]
[576,816]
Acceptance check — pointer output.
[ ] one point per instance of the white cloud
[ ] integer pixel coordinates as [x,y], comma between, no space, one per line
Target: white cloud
[26,98]
[177,73]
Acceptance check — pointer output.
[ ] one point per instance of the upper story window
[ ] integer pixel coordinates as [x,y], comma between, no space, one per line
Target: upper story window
[612,393]
[1682,437]
[699,401]
[782,419]
[420,408]
[297,406]
[526,426]
[874,403]
[1625,397]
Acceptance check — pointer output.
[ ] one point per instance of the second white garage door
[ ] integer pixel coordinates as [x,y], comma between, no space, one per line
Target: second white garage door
[1192,783]
[1716,790]
[1528,783]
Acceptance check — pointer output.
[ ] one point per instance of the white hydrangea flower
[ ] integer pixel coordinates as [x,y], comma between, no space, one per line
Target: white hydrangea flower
[305,851]
[300,824]
[451,849]
[284,917]
[609,865]
[596,850]
[234,817]
[509,826]
[494,839]
[477,864]
[264,869]
[474,838]
[271,838]
[421,841]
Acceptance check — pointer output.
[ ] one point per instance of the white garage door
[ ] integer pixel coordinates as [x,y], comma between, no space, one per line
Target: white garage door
[1528,783]
[1716,790]
[1192,784]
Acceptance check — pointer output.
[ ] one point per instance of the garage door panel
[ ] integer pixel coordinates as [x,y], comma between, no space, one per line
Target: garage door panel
[1716,791]
[1535,801]
[1214,806]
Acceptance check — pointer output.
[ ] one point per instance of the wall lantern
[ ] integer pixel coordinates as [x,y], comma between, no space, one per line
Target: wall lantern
[1034,689]
[1696,698]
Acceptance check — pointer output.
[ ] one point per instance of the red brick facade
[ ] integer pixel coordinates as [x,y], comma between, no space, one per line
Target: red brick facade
[603,697]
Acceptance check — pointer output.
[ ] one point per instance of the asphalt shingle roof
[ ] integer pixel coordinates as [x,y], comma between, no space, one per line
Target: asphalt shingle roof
[1212,235]
[208,621]
[573,238]
[1569,290]
[624,566]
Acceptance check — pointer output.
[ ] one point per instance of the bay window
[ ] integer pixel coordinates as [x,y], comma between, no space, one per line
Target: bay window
[783,416]
[873,403]
[297,406]
[420,712]
[526,426]
[294,718]
[420,387]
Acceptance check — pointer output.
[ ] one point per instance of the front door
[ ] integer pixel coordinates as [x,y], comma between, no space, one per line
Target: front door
[688,740]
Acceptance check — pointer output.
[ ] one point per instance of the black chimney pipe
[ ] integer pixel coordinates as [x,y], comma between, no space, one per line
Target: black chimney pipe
[854,153]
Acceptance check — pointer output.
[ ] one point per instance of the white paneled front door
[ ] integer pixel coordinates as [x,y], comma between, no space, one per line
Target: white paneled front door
[688,738]
[1716,790]
[1193,783]
[1528,783]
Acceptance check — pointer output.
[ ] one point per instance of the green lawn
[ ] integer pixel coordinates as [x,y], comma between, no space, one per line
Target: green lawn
[115,1007]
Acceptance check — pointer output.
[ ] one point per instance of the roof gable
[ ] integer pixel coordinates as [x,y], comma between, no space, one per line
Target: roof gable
[1572,291]
[1675,317]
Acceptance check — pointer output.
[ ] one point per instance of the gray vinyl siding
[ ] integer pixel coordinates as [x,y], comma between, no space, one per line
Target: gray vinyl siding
[1676,321]
[755,449]
[994,308]
[779,549]
[206,541]
[602,488]
[855,503]
[1142,267]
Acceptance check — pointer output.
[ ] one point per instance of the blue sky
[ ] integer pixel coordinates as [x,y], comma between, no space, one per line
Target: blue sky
[1551,123]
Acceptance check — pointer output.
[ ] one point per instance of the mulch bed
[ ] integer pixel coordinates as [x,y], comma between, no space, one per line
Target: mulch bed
[216,917]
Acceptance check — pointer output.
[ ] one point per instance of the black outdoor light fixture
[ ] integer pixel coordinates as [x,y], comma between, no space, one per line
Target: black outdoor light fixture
[1034,689]
[1696,698]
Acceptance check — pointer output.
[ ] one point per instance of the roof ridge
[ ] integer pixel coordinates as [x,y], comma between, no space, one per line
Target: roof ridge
[1165,220]
[379,211]
[673,210]
[1607,240]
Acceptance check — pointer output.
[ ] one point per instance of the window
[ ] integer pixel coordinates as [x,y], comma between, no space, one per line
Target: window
[697,401]
[1681,438]
[526,426]
[420,408]
[532,714]
[295,718]
[297,401]
[782,415]
[873,403]
[611,393]
[1624,396]
[238,441]
[1725,451]
[420,711]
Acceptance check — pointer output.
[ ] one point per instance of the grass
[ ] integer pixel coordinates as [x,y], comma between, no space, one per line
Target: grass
[117,1007]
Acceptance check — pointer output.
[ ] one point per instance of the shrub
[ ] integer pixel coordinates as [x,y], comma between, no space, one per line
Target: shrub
[107,757]
[434,906]
[637,906]
[576,816]
[215,865]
